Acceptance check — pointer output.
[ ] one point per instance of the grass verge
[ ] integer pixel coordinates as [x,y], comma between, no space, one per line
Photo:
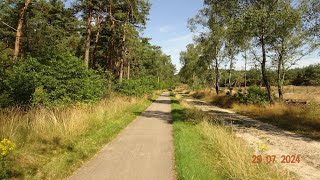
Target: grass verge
[52,143]
[207,150]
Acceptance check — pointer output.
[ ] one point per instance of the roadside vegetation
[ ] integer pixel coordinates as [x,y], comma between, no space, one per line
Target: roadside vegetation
[52,143]
[303,119]
[206,149]
[71,77]
[268,39]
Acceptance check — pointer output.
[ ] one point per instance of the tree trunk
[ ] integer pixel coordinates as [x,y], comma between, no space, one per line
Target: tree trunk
[230,74]
[110,61]
[88,37]
[225,78]
[280,73]
[128,71]
[121,70]
[217,80]
[245,71]
[19,29]
[264,70]
[193,80]
[123,55]
[93,62]
[283,74]
[212,74]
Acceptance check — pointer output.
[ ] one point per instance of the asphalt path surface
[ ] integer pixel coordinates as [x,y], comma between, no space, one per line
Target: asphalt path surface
[142,151]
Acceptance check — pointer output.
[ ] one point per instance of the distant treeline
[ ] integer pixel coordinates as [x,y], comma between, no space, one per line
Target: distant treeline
[305,76]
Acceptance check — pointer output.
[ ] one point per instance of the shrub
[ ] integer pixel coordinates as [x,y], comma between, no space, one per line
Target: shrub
[63,79]
[138,87]
[255,95]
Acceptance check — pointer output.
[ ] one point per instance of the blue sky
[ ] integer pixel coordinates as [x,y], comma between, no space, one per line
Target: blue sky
[167,26]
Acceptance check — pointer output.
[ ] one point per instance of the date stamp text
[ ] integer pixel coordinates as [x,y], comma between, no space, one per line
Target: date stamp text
[270,159]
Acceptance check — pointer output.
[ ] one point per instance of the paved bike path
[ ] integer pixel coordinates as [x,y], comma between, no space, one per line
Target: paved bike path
[142,151]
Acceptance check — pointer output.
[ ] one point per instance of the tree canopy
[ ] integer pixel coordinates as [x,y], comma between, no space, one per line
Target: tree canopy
[273,34]
[46,46]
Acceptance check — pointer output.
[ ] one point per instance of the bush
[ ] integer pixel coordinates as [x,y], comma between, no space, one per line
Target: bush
[63,79]
[255,95]
[138,87]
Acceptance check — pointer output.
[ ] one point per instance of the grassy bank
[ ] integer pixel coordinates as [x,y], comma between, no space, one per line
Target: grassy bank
[52,143]
[206,150]
[300,119]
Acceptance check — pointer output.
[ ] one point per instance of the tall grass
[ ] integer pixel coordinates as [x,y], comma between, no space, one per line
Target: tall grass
[209,150]
[232,157]
[51,143]
[51,123]
[301,119]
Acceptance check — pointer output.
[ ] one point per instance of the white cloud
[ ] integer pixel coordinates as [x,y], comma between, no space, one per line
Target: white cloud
[164,29]
[308,61]
[174,50]
[181,38]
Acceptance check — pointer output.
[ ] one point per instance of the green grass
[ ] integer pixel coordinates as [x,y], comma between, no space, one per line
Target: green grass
[54,150]
[88,145]
[189,147]
[206,150]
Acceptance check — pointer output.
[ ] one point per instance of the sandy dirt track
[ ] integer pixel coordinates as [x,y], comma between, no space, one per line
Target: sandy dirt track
[278,141]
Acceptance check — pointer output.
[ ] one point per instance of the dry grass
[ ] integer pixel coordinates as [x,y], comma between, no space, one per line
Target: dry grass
[304,120]
[206,150]
[63,123]
[302,89]
[306,93]
[210,96]
[233,157]
[51,143]
[301,119]
[303,93]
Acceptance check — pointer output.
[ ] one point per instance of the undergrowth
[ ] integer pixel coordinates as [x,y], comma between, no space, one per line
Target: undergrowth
[53,142]
[301,119]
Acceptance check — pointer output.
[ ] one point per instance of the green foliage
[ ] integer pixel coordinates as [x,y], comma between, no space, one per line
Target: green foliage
[255,95]
[63,79]
[307,76]
[277,33]
[193,70]
[311,75]
[51,29]
[138,87]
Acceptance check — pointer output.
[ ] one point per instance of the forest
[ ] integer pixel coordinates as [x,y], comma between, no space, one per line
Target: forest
[244,86]
[269,37]
[71,78]
[85,94]
[51,54]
